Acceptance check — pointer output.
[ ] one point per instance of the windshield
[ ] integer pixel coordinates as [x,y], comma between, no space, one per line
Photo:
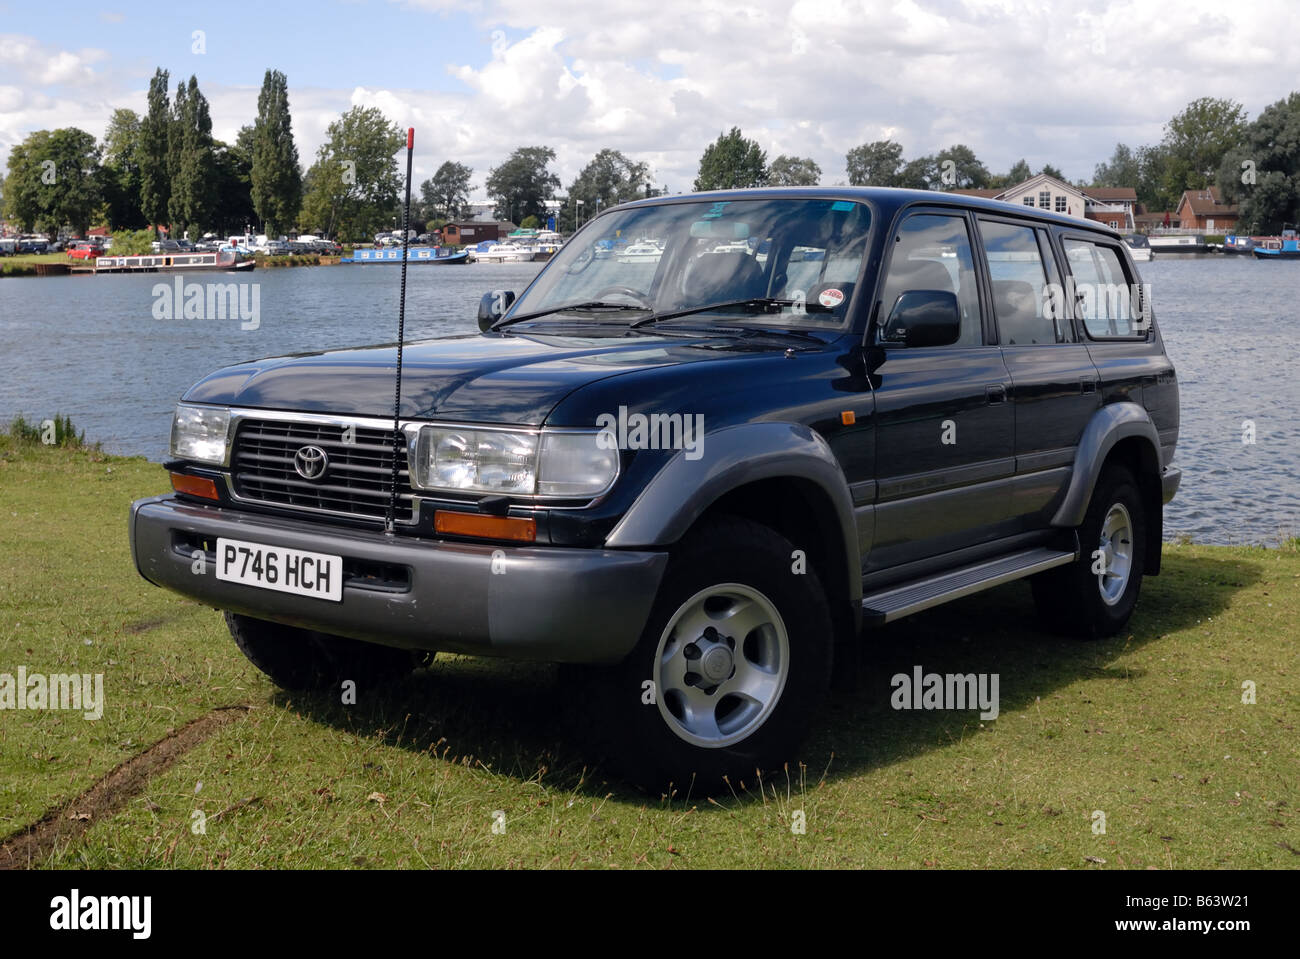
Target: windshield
[802,256]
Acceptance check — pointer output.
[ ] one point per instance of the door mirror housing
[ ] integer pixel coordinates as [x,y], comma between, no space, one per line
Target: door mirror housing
[493,306]
[923,318]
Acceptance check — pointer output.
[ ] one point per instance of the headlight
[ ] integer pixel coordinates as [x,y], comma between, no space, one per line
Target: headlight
[513,463]
[572,464]
[199,433]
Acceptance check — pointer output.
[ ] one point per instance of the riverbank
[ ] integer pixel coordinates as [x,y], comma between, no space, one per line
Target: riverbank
[1148,729]
[26,264]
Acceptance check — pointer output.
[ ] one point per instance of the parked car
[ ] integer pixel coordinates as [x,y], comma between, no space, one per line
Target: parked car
[709,475]
[84,250]
[8,246]
[165,246]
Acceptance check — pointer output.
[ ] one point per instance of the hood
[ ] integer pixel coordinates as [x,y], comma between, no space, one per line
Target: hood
[515,379]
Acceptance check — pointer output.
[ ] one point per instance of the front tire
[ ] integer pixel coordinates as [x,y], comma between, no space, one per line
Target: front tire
[1095,595]
[734,660]
[302,659]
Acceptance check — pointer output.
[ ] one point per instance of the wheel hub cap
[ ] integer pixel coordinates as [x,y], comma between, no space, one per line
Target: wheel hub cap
[721,665]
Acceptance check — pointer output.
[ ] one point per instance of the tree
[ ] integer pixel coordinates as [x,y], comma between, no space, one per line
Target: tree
[1053,172]
[878,163]
[22,185]
[520,186]
[445,195]
[1122,169]
[120,172]
[155,180]
[959,169]
[1156,188]
[793,171]
[1197,139]
[53,180]
[731,162]
[277,180]
[175,147]
[1263,173]
[608,179]
[1018,173]
[920,174]
[194,186]
[353,184]
[232,188]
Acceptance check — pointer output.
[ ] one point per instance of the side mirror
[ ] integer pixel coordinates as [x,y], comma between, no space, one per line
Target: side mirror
[923,318]
[492,307]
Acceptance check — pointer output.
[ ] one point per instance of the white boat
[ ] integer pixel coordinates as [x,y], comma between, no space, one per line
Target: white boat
[1139,247]
[640,253]
[505,253]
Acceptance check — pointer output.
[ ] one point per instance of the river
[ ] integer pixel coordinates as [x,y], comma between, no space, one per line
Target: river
[92,348]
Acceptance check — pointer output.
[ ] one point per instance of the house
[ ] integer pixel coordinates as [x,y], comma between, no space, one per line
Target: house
[469,233]
[1205,210]
[1146,222]
[1114,206]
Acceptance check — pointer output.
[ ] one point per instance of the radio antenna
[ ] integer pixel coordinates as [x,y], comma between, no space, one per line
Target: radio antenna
[399,444]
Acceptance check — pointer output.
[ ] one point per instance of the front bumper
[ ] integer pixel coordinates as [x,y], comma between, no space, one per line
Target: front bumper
[541,603]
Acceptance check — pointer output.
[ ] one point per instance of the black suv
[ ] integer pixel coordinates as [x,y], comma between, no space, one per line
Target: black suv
[715,438]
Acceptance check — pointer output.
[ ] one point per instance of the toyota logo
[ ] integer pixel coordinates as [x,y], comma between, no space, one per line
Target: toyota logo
[311,462]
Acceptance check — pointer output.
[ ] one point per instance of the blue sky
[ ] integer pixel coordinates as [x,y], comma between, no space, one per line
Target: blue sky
[1052,81]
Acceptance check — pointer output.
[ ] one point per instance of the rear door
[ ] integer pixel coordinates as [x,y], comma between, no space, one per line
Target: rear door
[1054,388]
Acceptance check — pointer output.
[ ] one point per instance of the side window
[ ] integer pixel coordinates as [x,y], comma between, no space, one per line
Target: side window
[1021,298]
[1102,293]
[932,251]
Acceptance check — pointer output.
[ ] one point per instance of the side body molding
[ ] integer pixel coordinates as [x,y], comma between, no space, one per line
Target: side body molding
[733,457]
[1109,425]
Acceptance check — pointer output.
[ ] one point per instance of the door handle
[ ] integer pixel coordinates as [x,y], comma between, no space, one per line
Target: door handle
[996,394]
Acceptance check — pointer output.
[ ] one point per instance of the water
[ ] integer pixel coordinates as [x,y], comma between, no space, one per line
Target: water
[90,347]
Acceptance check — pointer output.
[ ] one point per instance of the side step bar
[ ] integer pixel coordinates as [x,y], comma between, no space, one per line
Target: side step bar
[896,602]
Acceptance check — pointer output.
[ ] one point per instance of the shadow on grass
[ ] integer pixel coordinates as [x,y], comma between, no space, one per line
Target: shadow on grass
[528,720]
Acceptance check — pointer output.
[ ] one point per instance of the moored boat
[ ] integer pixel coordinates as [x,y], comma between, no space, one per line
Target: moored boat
[1178,243]
[1139,247]
[219,261]
[416,254]
[1284,247]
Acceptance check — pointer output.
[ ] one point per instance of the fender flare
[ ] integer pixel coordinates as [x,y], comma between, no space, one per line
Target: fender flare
[1109,425]
[733,457]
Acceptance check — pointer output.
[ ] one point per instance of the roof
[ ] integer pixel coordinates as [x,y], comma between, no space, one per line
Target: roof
[986,194]
[1111,193]
[887,200]
[1207,201]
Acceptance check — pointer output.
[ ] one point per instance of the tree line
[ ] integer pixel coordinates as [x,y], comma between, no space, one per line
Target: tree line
[165,169]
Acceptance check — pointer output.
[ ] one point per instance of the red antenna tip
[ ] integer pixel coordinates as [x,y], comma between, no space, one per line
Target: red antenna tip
[410,138]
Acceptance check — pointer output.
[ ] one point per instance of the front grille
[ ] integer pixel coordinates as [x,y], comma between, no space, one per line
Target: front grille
[356,482]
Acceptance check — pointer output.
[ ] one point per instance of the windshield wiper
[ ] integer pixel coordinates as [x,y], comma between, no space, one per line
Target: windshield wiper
[763,303]
[585,305]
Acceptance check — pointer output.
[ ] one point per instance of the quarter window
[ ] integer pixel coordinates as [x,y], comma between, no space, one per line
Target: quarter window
[1022,301]
[1106,302]
[933,252]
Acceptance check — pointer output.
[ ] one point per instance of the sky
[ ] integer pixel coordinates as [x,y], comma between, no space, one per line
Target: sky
[1052,82]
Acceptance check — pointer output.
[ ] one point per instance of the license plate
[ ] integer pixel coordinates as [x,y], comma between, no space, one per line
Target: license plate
[285,570]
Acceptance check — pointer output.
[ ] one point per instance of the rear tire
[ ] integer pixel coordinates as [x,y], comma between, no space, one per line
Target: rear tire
[1077,599]
[739,650]
[302,659]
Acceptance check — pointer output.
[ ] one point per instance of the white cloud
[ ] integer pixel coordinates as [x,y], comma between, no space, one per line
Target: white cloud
[1050,82]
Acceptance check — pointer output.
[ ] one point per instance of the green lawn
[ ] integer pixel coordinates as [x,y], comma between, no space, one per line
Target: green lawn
[1148,728]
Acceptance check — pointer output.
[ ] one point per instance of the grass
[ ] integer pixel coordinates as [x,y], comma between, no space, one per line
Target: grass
[1148,728]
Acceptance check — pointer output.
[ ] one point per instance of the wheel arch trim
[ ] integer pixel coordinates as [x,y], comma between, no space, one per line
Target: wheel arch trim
[735,456]
[1109,426]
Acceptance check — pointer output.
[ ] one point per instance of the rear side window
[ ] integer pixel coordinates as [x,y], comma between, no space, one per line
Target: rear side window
[1022,301]
[932,251]
[1106,302]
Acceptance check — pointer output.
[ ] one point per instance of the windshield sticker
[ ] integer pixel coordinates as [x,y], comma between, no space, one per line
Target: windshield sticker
[716,210]
[841,206]
[831,298]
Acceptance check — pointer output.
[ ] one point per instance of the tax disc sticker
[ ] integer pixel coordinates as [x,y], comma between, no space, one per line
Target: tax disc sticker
[831,298]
